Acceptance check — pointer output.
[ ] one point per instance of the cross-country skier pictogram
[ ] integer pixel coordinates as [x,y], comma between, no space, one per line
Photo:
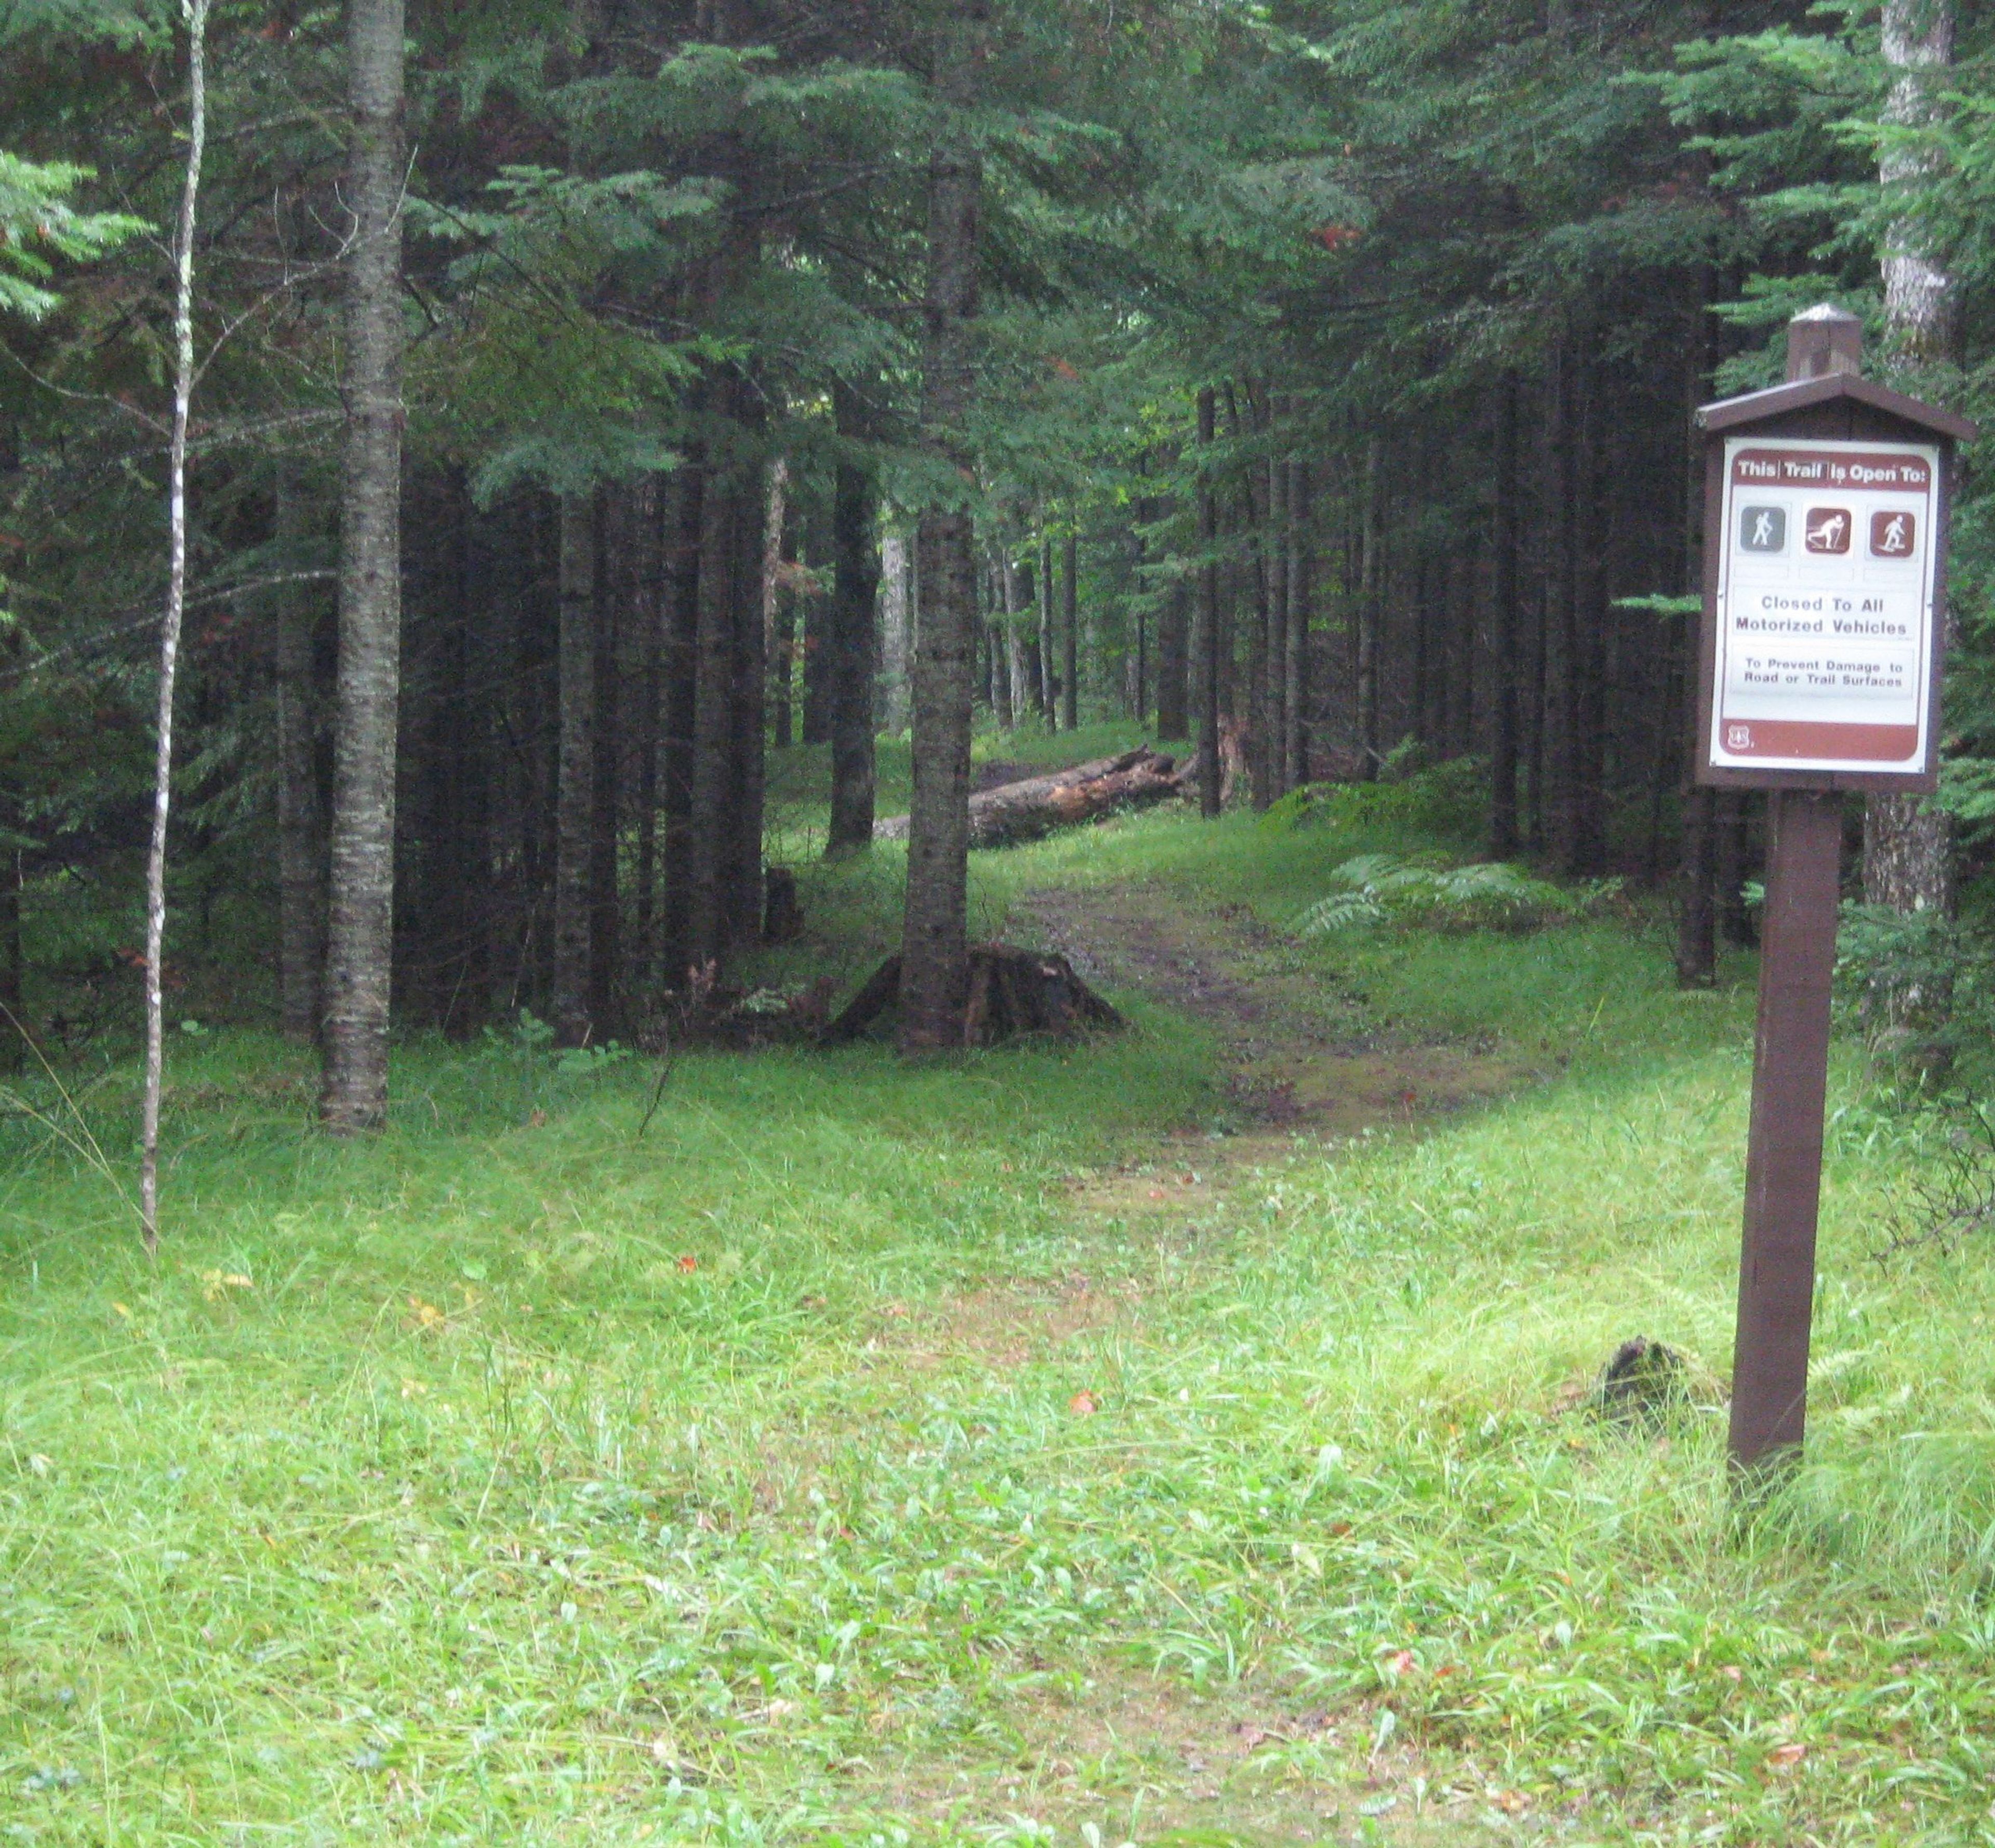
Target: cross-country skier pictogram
[1827,529]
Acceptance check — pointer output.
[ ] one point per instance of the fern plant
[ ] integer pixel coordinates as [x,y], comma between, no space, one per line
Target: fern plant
[1377,889]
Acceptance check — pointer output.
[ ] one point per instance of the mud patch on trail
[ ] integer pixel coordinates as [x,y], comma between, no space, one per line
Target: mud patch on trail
[1304,1055]
[1008,1327]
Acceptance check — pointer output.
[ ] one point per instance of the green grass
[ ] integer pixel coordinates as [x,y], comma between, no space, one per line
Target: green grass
[475,1512]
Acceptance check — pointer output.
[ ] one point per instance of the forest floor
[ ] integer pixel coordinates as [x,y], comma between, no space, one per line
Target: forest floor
[1178,1437]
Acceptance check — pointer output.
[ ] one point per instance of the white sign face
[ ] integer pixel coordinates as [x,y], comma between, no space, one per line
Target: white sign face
[1825,617]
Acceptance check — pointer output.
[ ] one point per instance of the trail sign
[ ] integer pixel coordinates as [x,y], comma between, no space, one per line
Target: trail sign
[1823,631]
[1824,618]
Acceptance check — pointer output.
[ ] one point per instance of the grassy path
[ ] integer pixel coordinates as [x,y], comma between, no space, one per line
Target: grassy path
[1065,1445]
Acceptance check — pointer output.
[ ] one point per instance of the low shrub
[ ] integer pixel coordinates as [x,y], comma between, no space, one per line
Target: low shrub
[1383,889]
[1449,801]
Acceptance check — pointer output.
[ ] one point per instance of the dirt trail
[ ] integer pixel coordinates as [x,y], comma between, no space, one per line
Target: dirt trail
[1303,1057]
[1252,1765]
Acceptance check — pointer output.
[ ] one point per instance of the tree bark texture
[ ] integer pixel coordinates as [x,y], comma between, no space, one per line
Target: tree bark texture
[1022,682]
[855,598]
[897,632]
[170,629]
[1503,641]
[649,616]
[1210,793]
[678,719]
[1908,840]
[614,598]
[1070,627]
[934,951]
[1697,938]
[713,725]
[360,916]
[575,792]
[300,807]
[748,726]
[1295,679]
[1588,667]
[1370,614]
[1048,668]
[1173,662]
[1274,702]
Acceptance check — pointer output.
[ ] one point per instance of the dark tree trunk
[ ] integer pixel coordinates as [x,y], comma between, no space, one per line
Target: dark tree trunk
[1002,713]
[457,843]
[1139,669]
[1696,946]
[1275,705]
[679,716]
[1503,717]
[854,632]
[1370,614]
[360,917]
[1049,671]
[1731,821]
[1173,663]
[782,655]
[1697,939]
[713,723]
[934,950]
[1254,523]
[1071,628]
[1302,561]
[1588,666]
[1208,667]
[748,722]
[1423,648]
[300,810]
[606,909]
[13,964]
[575,788]
[649,616]
[1466,578]
[535,739]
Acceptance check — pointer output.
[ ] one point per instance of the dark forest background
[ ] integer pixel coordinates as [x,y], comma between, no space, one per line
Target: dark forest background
[1328,365]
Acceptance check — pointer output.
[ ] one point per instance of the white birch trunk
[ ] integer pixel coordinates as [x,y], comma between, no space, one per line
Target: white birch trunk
[895,633]
[195,14]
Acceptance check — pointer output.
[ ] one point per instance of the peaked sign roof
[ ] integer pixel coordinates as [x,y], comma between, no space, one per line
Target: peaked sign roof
[1728,413]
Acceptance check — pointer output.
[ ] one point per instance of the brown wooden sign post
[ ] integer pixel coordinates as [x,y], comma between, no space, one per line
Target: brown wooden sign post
[1826,522]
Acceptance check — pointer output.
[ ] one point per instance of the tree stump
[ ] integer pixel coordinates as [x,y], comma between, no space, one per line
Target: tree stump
[1012,993]
[782,915]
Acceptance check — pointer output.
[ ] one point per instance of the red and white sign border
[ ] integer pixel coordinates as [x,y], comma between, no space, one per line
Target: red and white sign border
[1717,754]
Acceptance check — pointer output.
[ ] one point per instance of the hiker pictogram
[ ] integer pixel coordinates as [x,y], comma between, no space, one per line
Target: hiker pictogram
[1827,529]
[1894,535]
[1763,529]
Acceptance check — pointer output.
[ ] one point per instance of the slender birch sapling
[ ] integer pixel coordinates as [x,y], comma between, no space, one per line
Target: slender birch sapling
[195,14]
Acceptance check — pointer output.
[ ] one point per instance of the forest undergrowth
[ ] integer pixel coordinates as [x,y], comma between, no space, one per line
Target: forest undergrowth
[842,1459]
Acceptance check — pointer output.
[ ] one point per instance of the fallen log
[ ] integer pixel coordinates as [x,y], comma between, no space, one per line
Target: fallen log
[1021,811]
[1012,992]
